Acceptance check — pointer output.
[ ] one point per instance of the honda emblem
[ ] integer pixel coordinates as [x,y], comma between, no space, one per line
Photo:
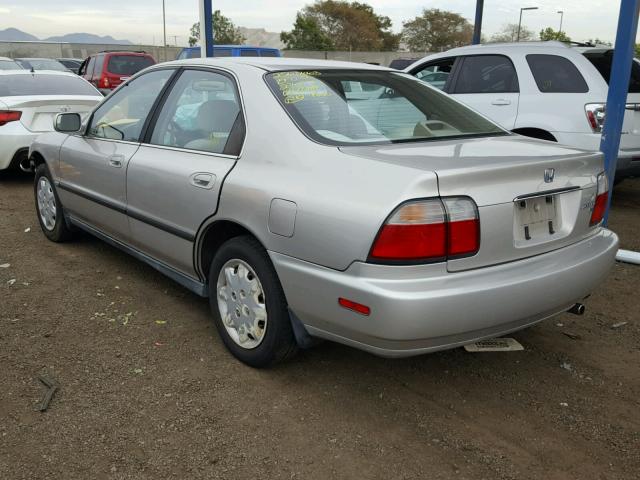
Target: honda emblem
[549,173]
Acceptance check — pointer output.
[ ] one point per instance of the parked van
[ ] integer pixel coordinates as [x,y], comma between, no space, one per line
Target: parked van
[231,51]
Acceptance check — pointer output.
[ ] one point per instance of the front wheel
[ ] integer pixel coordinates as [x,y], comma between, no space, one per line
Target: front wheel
[48,207]
[248,304]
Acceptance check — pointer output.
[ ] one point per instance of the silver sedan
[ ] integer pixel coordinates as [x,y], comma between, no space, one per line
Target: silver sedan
[325,200]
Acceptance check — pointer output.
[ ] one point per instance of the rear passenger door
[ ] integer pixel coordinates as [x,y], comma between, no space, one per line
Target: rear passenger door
[174,179]
[488,84]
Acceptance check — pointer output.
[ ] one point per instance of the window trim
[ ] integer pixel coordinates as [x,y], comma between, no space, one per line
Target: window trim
[535,80]
[147,129]
[462,59]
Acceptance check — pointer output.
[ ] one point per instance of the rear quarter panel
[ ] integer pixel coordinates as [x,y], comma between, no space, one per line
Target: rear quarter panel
[341,200]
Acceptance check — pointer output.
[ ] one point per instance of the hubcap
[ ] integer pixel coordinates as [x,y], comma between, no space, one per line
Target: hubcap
[241,302]
[46,203]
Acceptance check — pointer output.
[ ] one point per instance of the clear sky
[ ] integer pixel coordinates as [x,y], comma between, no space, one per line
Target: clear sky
[141,20]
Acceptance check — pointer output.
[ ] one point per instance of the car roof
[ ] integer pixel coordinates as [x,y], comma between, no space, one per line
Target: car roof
[7,59]
[38,73]
[36,58]
[251,47]
[278,63]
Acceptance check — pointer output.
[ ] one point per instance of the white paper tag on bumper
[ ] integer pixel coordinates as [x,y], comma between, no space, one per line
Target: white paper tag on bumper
[494,345]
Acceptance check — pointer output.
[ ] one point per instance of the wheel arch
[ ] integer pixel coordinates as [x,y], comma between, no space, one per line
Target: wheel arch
[535,132]
[211,238]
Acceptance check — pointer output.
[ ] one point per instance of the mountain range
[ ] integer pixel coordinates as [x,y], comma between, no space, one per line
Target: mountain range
[15,35]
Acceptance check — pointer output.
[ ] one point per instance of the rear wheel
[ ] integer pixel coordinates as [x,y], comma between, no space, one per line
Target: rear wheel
[48,207]
[248,304]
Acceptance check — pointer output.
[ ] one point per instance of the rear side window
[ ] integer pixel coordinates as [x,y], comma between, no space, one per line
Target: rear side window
[486,74]
[128,64]
[248,53]
[603,60]
[200,114]
[556,74]
[99,65]
[18,85]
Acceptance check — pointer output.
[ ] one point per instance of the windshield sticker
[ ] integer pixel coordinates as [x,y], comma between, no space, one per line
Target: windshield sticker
[297,86]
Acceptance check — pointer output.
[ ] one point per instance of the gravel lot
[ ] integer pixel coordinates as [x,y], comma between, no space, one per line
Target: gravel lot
[147,389]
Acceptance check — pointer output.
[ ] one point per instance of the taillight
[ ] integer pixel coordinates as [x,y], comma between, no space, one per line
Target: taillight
[7,116]
[104,82]
[429,230]
[602,195]
[595,116]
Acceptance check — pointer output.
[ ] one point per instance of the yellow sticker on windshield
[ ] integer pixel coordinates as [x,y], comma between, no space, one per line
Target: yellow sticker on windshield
[297,86]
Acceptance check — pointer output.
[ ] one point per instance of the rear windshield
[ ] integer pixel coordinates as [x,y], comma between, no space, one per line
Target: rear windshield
[21,85]
[602,61]
[43,64]
[128,64]
[360,107]
[9,65]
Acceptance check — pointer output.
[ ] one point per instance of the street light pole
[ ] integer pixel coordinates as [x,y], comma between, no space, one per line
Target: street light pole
[561,12]
[520,22]
[164,33]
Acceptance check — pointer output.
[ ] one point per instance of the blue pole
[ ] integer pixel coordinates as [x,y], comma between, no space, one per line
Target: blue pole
[618,88]
[477,26]
[208,27]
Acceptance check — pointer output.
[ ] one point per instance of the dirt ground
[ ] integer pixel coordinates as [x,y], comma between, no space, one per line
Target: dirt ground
[147,390]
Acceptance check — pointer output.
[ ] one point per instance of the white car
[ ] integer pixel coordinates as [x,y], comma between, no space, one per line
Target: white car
[545,90]
[29,102]
[9,64]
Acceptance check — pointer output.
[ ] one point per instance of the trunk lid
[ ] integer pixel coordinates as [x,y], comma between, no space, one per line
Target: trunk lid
[38,112]
[516,183]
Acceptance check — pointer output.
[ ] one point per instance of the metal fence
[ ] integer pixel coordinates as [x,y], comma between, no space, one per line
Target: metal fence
[83,50]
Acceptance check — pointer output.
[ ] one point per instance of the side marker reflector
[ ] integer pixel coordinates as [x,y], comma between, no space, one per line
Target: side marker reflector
[355,306]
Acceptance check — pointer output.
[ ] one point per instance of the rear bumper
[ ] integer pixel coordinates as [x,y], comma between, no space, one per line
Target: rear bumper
[420,309]
[13,138]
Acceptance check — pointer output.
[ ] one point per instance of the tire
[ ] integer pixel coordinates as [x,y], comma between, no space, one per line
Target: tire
[244,289]
[48,207]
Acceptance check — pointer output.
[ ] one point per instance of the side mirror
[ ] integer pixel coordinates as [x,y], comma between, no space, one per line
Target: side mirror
[67,122]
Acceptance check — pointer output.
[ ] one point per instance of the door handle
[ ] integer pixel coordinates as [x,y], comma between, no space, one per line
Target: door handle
[116,161]
[501,102]
[203,180]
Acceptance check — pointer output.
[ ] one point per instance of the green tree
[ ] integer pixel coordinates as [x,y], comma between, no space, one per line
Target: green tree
[509,33]
[224,31]
[551,34]
[306,35]
[341,25]
[597,41]
[436,30]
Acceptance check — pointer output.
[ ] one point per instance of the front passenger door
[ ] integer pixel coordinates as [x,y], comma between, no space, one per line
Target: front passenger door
[93,166]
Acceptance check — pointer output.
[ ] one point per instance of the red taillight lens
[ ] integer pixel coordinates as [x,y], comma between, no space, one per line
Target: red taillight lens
[7,116]
[415,231]
[104,82]
[602,196]
[464,226]
[429,230]
[595,116]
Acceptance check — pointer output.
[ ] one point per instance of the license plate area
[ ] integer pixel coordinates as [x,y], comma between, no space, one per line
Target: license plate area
[536,220]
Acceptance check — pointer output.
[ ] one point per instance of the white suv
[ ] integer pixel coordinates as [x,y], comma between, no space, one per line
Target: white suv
[546,90]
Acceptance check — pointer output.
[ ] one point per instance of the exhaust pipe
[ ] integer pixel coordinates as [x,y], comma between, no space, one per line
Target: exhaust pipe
[577,309]
[26,165]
